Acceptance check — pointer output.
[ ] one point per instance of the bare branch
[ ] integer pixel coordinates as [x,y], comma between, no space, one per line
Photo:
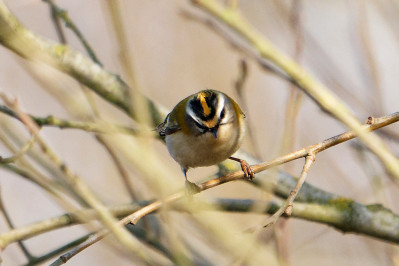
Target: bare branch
[317,91]
[373,124]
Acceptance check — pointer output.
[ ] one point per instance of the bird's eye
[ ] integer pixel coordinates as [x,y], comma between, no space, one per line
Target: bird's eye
[222,114]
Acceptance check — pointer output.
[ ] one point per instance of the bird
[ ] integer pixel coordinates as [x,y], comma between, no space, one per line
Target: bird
[204,129]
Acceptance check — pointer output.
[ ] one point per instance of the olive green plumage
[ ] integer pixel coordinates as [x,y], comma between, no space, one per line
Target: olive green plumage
[203,129]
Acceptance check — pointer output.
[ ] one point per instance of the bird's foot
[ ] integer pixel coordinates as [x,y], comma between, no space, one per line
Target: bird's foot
[245,167]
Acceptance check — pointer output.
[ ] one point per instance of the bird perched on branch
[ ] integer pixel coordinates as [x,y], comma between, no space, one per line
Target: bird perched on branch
[204,129]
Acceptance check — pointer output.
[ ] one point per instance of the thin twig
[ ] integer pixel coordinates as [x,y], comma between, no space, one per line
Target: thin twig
[372,124]
[20,153]
[36,260]
[239,86]
[103,233]
[286,208]
[79,186]
[63,14]
[122,171]
[368,51]
[292,108]
[57,24]
[309,211]
[295,96]
[236,45]
[316,90]
[52,121]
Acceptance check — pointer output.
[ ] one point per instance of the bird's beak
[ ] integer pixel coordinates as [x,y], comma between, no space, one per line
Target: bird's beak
[215,133]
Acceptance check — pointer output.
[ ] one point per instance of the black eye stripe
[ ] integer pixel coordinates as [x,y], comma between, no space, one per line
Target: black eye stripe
[200,126]
[222,114]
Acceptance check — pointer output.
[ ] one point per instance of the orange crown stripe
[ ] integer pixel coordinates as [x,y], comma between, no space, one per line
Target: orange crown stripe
[205,106]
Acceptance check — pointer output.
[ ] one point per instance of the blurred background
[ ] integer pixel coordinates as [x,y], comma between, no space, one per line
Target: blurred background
[350,46]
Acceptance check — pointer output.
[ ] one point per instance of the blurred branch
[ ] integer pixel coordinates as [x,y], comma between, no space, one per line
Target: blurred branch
[63,14]
[343,214]
[317,91]
[49,186]
[59,13]
[20,153]
[15,37]
[28,170]
[368,61]
[372,124]
[121,169]
[236,44]
[125,54]
[52,121]
[139,103]
[30,46]
[295,96]
[240,88]
[293,105]
[36,260]
[110,87]
[77,183]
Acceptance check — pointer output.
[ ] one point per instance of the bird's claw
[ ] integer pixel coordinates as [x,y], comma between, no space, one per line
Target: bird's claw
[246,168]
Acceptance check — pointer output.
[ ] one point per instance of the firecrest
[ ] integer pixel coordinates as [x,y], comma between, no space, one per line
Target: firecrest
[204,129]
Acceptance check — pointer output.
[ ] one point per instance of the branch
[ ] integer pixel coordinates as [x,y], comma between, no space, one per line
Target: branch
[317,91]
[372,124]
[52,121]
[78,185]
[14,36]
[100,81]
[341,213]
[286,208]
[63,14]
[37,260]
[20,153]
[110,87]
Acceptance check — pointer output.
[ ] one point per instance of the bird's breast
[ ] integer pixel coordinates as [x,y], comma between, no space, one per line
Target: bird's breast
[204,150]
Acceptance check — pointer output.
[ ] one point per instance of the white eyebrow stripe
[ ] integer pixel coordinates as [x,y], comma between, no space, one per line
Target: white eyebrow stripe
[191,113]
[220,104]
[221,101]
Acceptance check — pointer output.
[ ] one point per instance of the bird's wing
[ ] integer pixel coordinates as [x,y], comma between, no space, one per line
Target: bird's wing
[164,129]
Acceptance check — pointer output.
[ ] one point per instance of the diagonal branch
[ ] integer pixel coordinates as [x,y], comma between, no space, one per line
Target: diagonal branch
[312,87]
[286,208]
[372,124]
[110,87]
[78,184]
[341,213]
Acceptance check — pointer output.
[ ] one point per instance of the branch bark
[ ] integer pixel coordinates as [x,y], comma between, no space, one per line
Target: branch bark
[343,214]
[312,87]
[373,124]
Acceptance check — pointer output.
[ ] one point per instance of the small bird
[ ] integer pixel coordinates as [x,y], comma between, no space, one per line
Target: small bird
[204,129]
